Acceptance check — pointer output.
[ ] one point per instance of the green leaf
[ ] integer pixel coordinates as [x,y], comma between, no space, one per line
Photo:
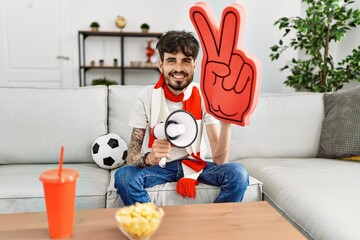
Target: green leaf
[312,70]
[285,67]
[274,48]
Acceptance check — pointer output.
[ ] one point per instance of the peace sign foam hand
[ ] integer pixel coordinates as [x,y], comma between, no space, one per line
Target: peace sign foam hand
[230,81]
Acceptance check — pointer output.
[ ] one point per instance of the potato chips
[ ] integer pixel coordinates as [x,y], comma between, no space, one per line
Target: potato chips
[139,221]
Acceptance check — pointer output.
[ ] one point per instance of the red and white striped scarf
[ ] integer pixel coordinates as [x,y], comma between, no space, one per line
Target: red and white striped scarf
[191,98]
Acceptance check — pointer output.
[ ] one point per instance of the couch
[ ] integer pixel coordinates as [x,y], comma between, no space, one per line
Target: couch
[280,149]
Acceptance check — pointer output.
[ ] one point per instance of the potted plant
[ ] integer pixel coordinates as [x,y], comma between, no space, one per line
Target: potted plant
[103,81]
[95,26]
[145,27]
[325,25]
[101,62]
[115,63]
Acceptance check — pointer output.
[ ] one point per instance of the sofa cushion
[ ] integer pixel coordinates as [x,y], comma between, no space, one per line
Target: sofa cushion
[318,195]
[22,191]
[121,102]
[340,136]
[284,125]
[166,194]
[34,123]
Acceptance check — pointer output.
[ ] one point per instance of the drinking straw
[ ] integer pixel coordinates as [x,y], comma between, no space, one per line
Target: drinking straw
[61,160]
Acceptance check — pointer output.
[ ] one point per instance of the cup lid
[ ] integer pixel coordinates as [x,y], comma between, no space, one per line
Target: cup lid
[52,175]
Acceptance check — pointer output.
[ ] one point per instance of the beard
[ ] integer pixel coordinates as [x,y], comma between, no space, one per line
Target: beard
[178,85]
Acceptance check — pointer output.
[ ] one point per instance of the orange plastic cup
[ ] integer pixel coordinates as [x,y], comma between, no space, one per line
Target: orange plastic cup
[59,193]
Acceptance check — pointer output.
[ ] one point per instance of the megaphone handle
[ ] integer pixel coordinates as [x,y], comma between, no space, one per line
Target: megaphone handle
[162,162]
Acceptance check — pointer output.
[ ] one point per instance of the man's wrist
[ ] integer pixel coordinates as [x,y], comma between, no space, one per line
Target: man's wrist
[144,159]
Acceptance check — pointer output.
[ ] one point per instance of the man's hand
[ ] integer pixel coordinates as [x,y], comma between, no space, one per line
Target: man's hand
[229,79]
[160,149]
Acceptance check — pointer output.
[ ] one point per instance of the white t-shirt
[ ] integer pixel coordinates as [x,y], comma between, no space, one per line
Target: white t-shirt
[140,118]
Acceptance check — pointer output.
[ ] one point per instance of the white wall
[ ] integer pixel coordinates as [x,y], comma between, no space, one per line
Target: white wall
[163,15]
[260,34]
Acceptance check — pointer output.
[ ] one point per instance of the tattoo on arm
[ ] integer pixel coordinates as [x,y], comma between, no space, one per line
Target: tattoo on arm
[136,142]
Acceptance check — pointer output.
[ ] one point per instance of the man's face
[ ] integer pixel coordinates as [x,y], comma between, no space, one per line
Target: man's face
[178,71]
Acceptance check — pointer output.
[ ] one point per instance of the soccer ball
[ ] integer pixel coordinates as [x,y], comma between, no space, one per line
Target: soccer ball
[109,151]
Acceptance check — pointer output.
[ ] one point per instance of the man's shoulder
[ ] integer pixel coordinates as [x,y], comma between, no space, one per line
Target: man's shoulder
[147,89]
[146,92]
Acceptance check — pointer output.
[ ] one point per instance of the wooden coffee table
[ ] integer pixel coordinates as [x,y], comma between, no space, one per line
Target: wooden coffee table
[250,220]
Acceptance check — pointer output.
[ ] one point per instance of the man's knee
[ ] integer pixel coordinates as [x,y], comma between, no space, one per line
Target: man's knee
[124,175]
[239,173]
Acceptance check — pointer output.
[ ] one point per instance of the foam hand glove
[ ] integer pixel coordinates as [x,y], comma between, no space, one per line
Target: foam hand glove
[230,80]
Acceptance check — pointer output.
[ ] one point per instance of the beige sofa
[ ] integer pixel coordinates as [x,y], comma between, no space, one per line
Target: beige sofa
[34,123]
[279,148]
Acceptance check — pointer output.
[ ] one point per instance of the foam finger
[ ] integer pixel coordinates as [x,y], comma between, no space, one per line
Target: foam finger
[230,81]
[230,28]
[246,75]
[205,24]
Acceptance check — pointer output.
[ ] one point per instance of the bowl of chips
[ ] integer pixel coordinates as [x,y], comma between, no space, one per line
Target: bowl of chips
[139,221]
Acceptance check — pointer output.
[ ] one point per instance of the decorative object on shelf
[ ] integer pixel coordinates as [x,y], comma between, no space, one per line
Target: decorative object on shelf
[149,52]
[324,25]
[145,27]
[135,63]
[92,63]
[120,22]
[103,81]
[115,63]
[123,67]
[95,26]
[101,62]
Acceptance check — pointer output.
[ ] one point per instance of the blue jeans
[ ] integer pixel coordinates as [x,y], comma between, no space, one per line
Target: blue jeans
[131,182]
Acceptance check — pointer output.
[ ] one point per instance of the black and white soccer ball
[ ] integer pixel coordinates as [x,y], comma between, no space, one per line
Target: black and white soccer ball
[109,151]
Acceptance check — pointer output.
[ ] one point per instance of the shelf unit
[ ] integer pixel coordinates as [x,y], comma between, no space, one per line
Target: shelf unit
[83,68]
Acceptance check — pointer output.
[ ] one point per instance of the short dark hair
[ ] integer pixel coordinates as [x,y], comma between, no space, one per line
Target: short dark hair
[178,41]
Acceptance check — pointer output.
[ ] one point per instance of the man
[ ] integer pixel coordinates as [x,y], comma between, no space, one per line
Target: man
[175,90]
